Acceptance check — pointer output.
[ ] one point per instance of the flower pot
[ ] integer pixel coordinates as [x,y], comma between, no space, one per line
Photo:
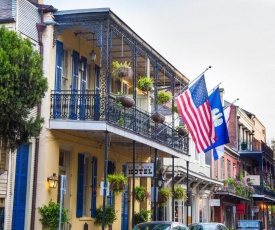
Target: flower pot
[125,72]
[158,117]
[244,146]
[117,186]
[125,101]
[182,132]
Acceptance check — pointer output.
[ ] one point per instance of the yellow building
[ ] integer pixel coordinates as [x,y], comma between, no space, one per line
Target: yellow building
[90,130]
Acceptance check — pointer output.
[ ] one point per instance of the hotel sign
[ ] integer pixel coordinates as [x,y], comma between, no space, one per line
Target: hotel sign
[141,170]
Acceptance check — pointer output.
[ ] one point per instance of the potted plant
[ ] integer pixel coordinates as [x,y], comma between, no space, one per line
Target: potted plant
[163,196]
[163,97]
[141,193]
[50,215]
[142,216]
[124,100]
[122,70]
[118,182]
[182,130]
[109,217]
[179,193]
[244,145]
[158,117]
[145,83]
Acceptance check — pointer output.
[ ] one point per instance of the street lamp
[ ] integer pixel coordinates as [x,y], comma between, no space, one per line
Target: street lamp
[52,180]
[161,180]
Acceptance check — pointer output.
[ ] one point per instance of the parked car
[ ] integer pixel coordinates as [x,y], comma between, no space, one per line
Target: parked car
[250,225]
[207,226]
[160,225]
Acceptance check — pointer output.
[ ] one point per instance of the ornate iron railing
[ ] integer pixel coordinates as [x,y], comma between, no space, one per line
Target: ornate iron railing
[86,106]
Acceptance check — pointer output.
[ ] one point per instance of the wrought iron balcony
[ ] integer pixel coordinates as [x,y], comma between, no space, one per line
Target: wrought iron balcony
[88,107]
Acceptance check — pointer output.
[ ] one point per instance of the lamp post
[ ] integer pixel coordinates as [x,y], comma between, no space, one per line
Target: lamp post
[161,180]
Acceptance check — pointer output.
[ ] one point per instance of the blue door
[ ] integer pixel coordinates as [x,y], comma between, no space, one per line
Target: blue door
[58,79]
[124,208]
[20,188]
[74,87]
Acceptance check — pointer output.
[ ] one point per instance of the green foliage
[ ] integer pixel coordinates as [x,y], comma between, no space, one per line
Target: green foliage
[230,181]
[142,216]
[22,86]
[141,193]
[118,182]
[163,97]
[180,193]
[121,70]
[50,215]
[176,110]
[110,216]
[145,83]
[163,196]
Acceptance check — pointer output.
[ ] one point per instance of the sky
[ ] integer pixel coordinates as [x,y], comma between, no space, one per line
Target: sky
[235,37]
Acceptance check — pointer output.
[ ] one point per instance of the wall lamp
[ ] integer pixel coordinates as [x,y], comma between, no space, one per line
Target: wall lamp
[53,181]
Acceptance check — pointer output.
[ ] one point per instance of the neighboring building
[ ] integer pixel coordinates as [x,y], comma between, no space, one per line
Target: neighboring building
[17,169]
[249,162]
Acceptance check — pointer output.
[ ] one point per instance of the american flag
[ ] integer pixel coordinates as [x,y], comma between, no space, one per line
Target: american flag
[194,108]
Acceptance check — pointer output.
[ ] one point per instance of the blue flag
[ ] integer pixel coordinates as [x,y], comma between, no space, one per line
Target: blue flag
[218,119]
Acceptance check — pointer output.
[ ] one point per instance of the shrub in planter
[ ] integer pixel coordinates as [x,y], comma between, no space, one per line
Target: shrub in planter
[145,83]
[163,97]
[50,215]
[179,193]
[163,196]
[142,216]
[110,216]
[118,182]
[141,193]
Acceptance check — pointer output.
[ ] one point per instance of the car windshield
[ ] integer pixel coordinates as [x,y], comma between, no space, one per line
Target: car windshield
[154,226]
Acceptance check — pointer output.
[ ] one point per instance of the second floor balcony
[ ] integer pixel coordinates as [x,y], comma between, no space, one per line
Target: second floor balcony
[86,107]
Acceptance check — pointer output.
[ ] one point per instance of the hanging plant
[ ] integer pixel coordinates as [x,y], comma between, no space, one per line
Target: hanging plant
[109,216]
[179,193]
[163,97]
[145,83]
[163,196]
[122,70]
[182,130]
[158,117]
[125,101]
[175,109]
[118,182]
[141,193]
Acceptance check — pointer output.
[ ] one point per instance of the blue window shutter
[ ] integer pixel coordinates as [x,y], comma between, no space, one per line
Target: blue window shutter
[20,187]
[58,65]
[80,182]
[94,187]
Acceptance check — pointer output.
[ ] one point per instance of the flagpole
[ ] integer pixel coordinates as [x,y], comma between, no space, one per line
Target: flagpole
[214,88]
[186,86]
[231,104]
[182,90]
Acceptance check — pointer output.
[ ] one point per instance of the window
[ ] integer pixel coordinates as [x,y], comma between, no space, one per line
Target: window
[215,169]
[228,169]
[197,156]
[208,158]
[86,179]
[222,168]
